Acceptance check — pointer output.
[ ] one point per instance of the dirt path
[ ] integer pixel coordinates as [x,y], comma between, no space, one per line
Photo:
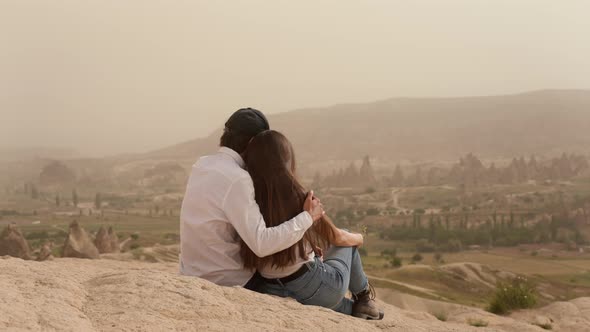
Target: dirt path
[412,287]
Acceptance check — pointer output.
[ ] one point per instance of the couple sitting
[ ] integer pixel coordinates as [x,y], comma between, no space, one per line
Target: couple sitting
[247,221]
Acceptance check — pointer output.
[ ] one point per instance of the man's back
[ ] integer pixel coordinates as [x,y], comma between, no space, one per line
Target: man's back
[219,209]
[210,246]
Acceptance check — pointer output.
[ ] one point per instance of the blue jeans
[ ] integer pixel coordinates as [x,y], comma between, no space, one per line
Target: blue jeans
[326,283]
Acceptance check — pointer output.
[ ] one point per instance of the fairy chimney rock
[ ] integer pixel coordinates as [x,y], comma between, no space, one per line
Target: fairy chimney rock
[78,243]
[13,243]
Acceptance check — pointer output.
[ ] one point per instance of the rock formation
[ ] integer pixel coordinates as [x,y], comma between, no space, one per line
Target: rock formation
[102,241]
[366,173]
[45,253]
[78,243]
[13,243]
[352,176]
[114,240]
[110,295]
[106,241]
[470,172]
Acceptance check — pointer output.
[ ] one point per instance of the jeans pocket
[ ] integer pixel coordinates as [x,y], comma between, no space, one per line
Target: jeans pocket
[309,297]
[324,296]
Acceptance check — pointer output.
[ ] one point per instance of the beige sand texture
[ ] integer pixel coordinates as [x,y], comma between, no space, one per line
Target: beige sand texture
[71,294]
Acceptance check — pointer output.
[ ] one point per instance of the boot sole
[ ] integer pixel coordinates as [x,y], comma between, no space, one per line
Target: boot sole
[368,317]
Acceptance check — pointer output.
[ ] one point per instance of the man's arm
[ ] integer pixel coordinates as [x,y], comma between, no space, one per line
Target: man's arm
[243,213]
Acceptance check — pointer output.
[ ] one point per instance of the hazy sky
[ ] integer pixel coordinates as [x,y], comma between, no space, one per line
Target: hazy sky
[118,76]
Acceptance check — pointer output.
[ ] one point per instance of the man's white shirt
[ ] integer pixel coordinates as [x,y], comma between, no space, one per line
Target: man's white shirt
[219,208]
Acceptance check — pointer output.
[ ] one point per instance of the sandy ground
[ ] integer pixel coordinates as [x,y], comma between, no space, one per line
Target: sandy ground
[108,295]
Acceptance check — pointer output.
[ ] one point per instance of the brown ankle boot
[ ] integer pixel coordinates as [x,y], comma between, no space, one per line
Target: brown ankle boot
[365,306]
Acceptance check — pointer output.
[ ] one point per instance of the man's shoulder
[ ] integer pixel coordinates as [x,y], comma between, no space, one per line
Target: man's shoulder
[217,165]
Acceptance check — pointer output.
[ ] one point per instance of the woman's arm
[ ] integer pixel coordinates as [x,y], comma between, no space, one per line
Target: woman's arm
[340,237]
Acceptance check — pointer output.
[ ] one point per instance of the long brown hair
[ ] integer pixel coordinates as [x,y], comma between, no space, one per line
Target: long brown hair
[270,160]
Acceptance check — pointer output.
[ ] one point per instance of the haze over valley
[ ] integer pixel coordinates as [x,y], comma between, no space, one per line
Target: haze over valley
[454,136]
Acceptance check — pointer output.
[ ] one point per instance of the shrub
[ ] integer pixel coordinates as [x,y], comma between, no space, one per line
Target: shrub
[172,236]
[396,262]
[389,252]
[438,257]
[518,293]
[8,213]
[424,246]
[363,252]
[454,245]
[37,235]
[416,258]
[372,212]
[440,315]
[477,322]
[135,236]
[134,246]
[545,326]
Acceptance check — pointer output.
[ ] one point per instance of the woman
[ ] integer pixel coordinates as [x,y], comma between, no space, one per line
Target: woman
[300,271]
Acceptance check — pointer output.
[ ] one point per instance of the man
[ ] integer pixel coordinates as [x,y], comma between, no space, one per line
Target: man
[219,208]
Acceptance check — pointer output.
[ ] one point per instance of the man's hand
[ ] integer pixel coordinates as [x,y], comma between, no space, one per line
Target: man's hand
[319,252]
[314,207]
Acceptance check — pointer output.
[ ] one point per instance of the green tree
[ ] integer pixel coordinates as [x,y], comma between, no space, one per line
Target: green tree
[75,197]
[389,252]
[363,252]
[438,257]
[431,229]
[396,262]
[98,201]
[455,245]
[34,192]
[416,258]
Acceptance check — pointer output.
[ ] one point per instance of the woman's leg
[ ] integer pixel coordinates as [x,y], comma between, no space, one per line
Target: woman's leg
[364,305]
[348,261]
[347,274]
[327,282]
[323,285]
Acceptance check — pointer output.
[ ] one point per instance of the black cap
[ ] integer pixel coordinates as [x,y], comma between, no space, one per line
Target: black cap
[247,121]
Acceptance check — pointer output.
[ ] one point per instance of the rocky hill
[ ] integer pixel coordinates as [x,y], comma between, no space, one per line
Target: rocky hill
[108,295]
[539,122]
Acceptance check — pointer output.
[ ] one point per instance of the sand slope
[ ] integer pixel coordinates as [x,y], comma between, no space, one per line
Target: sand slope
[106,295]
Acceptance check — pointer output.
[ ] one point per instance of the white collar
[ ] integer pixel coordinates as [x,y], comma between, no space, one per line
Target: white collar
[235,156]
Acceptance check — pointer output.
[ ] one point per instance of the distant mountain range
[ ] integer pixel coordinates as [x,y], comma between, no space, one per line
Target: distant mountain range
[15,154]
[538,122]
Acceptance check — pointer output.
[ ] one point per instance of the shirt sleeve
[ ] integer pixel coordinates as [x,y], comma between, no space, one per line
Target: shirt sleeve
[243,213]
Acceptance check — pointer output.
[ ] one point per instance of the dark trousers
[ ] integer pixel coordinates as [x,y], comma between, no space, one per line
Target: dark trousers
[255,283]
